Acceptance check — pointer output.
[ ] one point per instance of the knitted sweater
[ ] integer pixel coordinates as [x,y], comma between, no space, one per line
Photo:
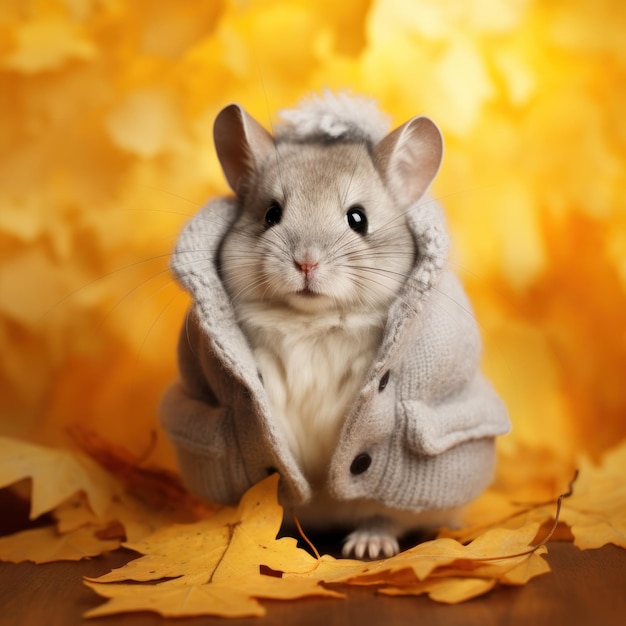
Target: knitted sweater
[420,433]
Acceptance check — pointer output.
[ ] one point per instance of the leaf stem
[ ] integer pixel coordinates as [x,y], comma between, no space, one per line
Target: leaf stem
[303,535]
[544,541]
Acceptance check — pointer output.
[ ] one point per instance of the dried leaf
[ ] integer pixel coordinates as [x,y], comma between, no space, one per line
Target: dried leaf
[499,554]
[157,488]
[215,565]
[90,507]
[596,512]
[223,545]
[46,544]
[74,513]
[56,476]
[136,520]
[448,590]
[223,598]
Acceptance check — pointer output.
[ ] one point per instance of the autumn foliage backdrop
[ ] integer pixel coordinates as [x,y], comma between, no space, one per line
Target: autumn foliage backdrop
[106,113]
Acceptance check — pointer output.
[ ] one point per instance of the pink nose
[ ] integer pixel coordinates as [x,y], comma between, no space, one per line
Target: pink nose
[305,268]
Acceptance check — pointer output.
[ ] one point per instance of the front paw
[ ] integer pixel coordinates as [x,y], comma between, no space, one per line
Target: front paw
[370,543]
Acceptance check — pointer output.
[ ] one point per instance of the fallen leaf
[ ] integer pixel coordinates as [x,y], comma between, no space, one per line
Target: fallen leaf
[88,504]
[233,542]
[74,513]
[56,475]
[157,488]
[500,555]
[215,566]
[596,512]
[136,520]
[46,544]
[222,598]
[447,590]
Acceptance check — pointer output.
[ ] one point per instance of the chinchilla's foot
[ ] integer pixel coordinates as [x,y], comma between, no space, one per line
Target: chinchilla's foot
[373,539]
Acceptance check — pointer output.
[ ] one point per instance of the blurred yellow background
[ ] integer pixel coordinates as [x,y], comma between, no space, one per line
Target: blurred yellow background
[106,113]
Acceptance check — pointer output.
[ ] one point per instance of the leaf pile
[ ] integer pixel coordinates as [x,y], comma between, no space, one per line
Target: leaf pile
[225,561]
[92,510]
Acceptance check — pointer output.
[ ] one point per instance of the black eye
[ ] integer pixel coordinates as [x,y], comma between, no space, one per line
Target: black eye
[273,214]
[357,220]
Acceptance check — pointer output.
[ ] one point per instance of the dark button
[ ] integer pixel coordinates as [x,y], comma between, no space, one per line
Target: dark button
[383,381]
[360,463]
[271,470]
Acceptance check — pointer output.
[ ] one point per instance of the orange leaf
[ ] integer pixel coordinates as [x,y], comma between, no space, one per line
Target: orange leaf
[56,476]
[448,590]
[224,598]
[157,488]
[216,565]
[494,554]
[42,545]
[596,512]
[88,504]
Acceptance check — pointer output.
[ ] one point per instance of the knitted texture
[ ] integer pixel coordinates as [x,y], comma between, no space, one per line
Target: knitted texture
[335,115]
[428,432]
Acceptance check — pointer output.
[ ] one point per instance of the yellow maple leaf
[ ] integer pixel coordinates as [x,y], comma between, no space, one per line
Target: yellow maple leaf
[56,475]
[228,538]
[442,567]
[447,590]
[84,499]
[596,512]
[159,489]
[46,544]
[215,565]
[74,513]
[222,598]
[135,519]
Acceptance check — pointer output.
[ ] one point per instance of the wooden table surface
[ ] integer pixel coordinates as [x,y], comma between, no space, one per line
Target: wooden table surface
[585,587]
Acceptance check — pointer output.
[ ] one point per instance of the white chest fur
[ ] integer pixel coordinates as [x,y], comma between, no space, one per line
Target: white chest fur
[312,367]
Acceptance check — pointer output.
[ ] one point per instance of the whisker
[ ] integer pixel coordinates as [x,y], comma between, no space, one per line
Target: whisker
[154,323]
[166,192]
[99,279]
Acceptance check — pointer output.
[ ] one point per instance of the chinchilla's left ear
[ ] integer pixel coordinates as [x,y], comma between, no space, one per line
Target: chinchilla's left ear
[241,144]
[409,158]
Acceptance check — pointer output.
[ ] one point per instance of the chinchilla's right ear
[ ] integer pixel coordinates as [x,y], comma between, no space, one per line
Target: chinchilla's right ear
[241,144]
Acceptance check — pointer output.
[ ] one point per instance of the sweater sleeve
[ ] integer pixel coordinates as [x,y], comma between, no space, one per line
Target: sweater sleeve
[200,427]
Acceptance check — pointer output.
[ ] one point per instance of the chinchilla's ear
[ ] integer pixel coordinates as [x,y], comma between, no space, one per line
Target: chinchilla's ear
[241,144]
[409,158]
